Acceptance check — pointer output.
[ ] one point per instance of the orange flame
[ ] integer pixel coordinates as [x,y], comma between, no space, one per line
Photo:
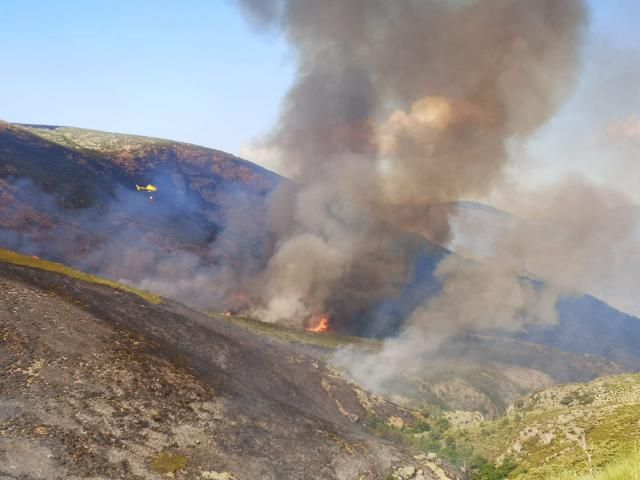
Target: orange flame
[321,326]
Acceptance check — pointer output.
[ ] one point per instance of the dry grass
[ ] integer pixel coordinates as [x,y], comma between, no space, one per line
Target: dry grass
[624,469]
[8,256]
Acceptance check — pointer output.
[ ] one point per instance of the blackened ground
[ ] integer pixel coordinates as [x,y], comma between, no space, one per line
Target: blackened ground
[99,383]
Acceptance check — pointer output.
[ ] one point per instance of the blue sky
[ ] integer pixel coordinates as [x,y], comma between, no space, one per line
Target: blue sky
[191,70]
[195,71]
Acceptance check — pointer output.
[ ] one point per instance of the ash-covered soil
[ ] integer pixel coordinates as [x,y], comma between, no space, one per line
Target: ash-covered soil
[98,383]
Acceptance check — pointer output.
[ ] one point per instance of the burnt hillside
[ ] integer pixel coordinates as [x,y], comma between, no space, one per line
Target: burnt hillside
[68,192]
[100,382]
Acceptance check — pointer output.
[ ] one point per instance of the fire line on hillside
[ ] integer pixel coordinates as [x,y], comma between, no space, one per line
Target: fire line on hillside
[320,324]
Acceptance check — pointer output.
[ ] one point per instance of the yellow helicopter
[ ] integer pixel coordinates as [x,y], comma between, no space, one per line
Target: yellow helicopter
[148,188]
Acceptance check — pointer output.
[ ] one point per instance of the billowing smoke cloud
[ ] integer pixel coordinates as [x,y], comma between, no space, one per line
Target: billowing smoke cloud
[579,236]
[398,106]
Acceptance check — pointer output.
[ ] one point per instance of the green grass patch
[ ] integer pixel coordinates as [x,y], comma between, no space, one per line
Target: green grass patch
[627,468]
[14,258]
[584,433]
[169,463]
[548,433]
[434,434]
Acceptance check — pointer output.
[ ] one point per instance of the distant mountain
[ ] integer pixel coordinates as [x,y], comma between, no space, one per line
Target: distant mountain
[70,195]
[474,226]
[85,169]
[587,325]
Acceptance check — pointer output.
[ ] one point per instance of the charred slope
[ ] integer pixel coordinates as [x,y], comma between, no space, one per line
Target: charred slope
[64,158]
[73,190]
[100,382]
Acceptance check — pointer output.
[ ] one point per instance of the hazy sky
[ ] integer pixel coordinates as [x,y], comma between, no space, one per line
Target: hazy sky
[597,132]
[195,71]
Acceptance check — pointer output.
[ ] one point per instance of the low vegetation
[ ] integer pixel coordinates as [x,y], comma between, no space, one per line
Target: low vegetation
[8,256]
[579,428]
[82,139]
[435,435]
[569,432]
[623,469]
[169,463]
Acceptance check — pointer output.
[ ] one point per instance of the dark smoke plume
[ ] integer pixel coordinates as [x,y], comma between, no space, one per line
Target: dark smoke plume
[399,105]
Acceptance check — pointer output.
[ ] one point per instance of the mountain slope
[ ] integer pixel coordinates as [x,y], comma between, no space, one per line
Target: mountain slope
[568,428]
[84,169]
[76,201]
[99,382]
[70,195]
[587,324]
[566,432]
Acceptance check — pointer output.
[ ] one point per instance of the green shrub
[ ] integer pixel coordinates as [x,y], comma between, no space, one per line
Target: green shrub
[488,471]
[579,397]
